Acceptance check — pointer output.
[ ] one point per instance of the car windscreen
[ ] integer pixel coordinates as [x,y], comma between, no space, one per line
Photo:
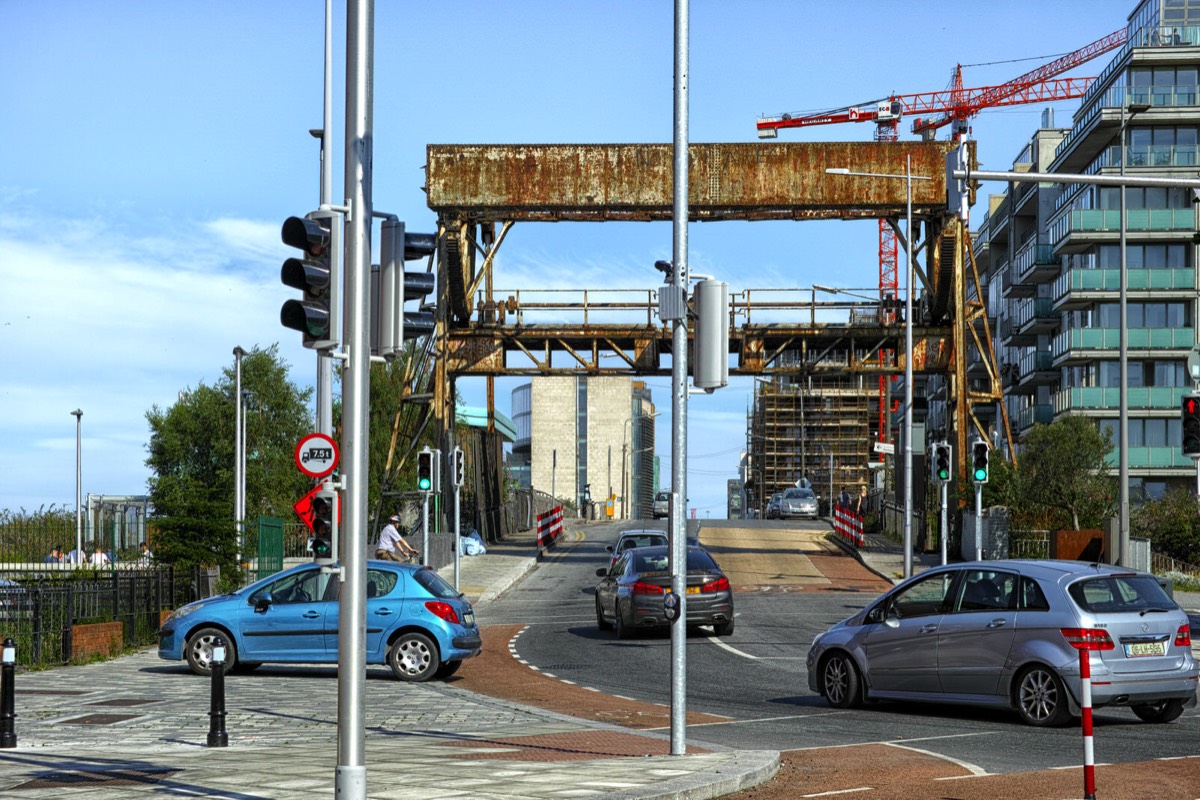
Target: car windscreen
[1119,594]
[663,496]
[435,584]
[646,540]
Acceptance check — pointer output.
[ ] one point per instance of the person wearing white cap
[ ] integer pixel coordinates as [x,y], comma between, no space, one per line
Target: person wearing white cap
[391,545]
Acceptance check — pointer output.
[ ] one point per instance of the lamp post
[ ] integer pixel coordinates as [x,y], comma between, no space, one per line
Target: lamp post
[78,414]
[1128,111]
[239,442]
[908,178]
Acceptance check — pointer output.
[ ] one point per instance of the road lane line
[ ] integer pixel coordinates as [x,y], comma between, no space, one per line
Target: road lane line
[761,719]
[975,770]
[731,649]
[841,791]
[890,742]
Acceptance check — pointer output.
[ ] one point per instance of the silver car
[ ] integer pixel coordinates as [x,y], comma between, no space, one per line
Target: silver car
[798,503]
[662,505]
[1009,633]
[633,592]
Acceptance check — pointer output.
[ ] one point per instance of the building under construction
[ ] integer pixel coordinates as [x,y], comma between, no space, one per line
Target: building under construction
[819,427]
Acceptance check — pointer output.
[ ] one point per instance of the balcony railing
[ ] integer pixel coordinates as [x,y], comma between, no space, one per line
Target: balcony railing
[1033,252]
[1108,398]
[1155,155]
[1033,308]
[1041,414]
[1108,220]
[1092,339]
[1152,458]
[1036,361]
[1109,280]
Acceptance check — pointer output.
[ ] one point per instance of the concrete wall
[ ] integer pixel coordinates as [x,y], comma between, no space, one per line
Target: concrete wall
[553,429]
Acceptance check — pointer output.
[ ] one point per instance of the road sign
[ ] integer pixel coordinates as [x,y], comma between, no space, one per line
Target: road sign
[886,448]
[317,455]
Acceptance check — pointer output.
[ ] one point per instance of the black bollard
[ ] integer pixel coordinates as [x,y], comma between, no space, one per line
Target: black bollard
[217,737]
[8,691]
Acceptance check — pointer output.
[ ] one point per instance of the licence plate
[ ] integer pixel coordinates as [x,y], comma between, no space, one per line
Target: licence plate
[1145,649]
[693,590]
[469,618]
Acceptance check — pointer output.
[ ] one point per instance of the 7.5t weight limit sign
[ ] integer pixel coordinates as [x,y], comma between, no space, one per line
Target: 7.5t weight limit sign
[317,455]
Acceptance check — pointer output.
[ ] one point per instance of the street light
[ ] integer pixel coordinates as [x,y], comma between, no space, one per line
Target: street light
[239,475]
[908,178]
[78,414]
[1128,111]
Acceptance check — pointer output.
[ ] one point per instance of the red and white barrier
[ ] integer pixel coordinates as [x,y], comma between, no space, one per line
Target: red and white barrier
[849,525]
[550,527]
[1089,758]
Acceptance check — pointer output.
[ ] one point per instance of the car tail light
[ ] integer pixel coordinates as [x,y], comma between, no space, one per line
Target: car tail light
[1183,636]
[719,585]
[443,610]
[1088,638]
[641,587]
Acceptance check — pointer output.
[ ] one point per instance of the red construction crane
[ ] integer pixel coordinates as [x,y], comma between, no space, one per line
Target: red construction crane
[955,104]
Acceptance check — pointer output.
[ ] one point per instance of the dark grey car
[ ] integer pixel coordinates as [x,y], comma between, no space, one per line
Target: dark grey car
[632,591]
[1009,633]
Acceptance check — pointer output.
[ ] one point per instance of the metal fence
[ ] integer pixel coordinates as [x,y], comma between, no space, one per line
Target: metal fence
[39,610]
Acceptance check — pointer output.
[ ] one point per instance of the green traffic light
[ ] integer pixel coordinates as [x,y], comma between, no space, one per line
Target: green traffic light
[980,474]
[943,474]
[423,484]
[321,548]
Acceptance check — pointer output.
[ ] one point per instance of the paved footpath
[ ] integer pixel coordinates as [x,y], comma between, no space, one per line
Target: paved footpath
[138,725]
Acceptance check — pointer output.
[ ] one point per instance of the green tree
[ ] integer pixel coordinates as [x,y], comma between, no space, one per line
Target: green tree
[1062,475]
[1171,524]
[191,455]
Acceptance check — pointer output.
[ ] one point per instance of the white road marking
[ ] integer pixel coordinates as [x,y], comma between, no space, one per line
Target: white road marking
[731,649]
[969,767]
[922,739]
[732,721]
[841,791]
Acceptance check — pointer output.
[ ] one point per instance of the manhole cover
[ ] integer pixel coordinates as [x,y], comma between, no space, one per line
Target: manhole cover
[100,719]
[84,779]
[124,701]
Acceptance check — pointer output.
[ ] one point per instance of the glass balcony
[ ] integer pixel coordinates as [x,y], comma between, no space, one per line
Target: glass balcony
[1077,281]
[1136,219]
[1117,96]
[1155,155]
[1151,458]
[1041,414]
[1086,342]
[1108,398]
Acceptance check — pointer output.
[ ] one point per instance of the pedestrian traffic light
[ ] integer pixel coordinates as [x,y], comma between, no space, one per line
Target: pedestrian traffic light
[979,461]
[397,286]
[325,526]
[318,273]
[1190,406]
[459,471]
[941,461]
[425,470]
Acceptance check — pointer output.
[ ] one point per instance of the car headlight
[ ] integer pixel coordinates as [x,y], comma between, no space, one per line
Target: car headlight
[181,612]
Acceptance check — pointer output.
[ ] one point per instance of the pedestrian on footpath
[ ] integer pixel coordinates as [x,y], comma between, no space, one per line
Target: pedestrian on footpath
[99,557]
[391,545]
[844,498]
[861,507]
[55,556]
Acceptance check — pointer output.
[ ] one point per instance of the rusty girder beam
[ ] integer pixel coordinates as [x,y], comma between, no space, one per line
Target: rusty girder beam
[746,181]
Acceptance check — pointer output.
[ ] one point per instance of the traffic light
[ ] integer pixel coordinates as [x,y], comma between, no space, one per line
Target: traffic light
[425,477]
[318,273]
[941,461]
[1190,407]
[979,461]
[325,527]
[397,286]
[459,469]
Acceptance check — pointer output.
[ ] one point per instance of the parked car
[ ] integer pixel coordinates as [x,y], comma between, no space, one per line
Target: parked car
[662,505]
[798,503]
[632,591]
[773,505]
[1008,634]
[14,600]
[642,537]
[419,626]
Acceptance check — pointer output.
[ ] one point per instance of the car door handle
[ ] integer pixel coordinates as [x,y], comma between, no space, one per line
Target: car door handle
[311,615]
[998,623]
[383,612]
[929,628]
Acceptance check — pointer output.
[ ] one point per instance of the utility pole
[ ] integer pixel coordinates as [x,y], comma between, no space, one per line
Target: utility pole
[324,361]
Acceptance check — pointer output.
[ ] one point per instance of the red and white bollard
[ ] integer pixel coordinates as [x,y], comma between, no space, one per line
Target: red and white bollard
[1089,759]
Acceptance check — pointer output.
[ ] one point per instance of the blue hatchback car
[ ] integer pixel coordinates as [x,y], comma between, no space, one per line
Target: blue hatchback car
[416,623]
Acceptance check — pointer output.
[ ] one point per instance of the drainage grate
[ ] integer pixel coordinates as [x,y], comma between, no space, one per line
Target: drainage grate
[99,719]
[83,779]
[124,701]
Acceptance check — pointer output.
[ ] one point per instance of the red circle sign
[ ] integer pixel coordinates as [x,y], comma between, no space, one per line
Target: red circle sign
[317,455]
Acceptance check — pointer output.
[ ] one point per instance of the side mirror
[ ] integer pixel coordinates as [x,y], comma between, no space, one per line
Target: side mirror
[608,547]
[262,602]
[601,572]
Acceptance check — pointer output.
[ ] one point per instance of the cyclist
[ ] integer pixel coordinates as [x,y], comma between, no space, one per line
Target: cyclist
[392,546]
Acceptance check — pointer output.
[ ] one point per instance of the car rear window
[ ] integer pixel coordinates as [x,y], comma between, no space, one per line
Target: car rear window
[435,584]
[1119,594]
[641,541]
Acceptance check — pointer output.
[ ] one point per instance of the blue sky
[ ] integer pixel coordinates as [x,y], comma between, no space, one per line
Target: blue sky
[151,151]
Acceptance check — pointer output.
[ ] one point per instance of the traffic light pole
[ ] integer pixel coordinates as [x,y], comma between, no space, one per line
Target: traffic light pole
[978,521]
[424,527]
[324,388]
[350,775]
[945,531]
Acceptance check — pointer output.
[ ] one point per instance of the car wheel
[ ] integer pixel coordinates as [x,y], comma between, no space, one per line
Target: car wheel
[447,669]
[723,628]
[1042,698]
[623,630]
[839,682]
[601,622]
[1164,711]
[199,650]
[414,657]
